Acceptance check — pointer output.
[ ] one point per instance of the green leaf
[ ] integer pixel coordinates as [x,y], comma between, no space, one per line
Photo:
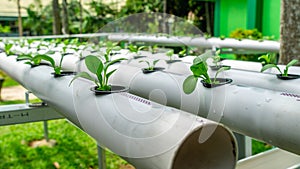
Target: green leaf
[57,70]
[66,41]
[29,41]
[291,63]
[116,48]
[84,75]
[182,52]
[199,69]
[36,61]
[145,61]
[28,63]
[155,62]
[197,60]
[46,58]
[269,66]
[99,73]
[133,48]
[170,53]
[93,63]
[222,69]
[110,73]
[140,48]
[189,84]
[265,59]
[114,61]
[50,52]
[8,47]
[24,57]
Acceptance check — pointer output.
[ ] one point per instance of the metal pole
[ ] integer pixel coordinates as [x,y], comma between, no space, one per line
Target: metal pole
[244,144]
[46,130]
[101,157]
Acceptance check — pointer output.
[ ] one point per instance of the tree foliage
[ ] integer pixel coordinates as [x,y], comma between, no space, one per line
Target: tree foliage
[40,18]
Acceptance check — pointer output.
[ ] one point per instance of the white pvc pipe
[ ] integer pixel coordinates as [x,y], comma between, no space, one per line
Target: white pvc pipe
[248,73]
[147,134]
[262,114]
[242,73]
[266,45]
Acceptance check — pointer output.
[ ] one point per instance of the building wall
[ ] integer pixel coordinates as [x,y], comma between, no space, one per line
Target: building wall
[271,18]
[233,15]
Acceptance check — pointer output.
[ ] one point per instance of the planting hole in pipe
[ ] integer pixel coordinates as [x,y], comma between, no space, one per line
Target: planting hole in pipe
[113,89]
[288,77]
[63,73]
[219,82]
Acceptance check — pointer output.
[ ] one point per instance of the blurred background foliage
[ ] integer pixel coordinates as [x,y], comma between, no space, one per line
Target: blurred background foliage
[90,17]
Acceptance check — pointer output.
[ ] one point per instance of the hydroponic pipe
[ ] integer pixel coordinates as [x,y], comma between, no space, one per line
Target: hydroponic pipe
[262,114]
[266,45]
[249,74]
[147,134]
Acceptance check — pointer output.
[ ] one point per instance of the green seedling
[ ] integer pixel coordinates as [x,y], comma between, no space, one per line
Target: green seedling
[30,41]
[151,66]
[170,54]
[108,52]
[66,42]
[154,48]
[7,49]
[200,70]
[216,58]
[285,71]
[100,69]
[57,42]
[267,59]
[33,60]
[183,52]
[135,49]
[57,68]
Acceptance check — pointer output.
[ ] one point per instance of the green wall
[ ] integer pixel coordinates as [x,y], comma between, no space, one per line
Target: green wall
[271,18]
[248,14]
[233,15]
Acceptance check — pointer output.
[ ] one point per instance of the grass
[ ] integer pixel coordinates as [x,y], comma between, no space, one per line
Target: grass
[8,82]
[74,148]
[5,102]
[258,146]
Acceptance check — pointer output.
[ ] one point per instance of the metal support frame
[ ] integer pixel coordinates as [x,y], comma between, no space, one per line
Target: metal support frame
[22,113]
[244,144]
[101,157]
[275,159]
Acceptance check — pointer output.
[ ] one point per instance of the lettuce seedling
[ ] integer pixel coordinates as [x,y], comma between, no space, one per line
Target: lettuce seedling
[32,59]
[151,66]
[57,69]
[7,49]
[135,49]
[285,71]
[200,70]
[100,69]
[170,54]
[267,59]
